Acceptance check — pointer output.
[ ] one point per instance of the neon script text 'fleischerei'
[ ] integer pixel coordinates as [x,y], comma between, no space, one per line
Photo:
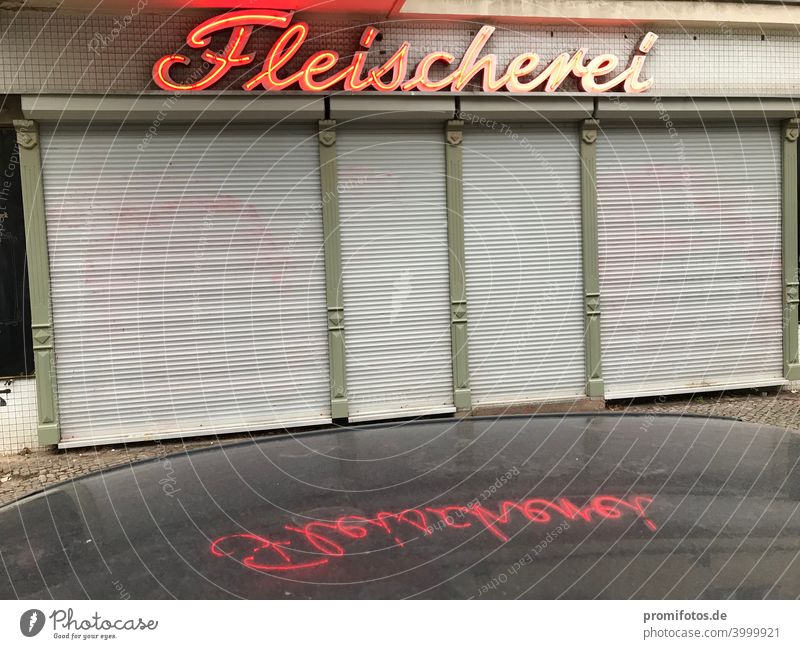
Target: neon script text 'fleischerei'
[322,70]
[301,547]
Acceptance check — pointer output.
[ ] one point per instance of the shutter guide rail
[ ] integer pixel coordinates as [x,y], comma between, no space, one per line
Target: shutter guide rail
[589,246]
[791,297]
[39,281]
[333,268]
[455,242]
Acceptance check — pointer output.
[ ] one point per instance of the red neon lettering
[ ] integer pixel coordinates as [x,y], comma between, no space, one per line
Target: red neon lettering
[380,521]
[241,23]
[568,510]
[608,507]
[491,520]
[470,67]
[397,65]
[522,66]
[421,79]
[369,36]
[262,545]
[279,55]
[629,78]
[319,541]
[200,36]
[353,81]
[535,510]
[421,523]
[632,83]
[261,553]
[353,78]
[353,526]
[318,64]
[597,67]
[447,518]
[561,68]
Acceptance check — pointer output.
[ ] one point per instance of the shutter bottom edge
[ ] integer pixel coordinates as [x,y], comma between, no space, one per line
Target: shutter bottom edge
[399,414]
[129,438]
[540,398]
[656,390]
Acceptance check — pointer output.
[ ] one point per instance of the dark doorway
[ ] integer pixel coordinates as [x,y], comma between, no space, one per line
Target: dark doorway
[16,350]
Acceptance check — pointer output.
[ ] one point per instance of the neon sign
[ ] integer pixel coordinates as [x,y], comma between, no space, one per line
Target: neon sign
[522,74]
[315,544]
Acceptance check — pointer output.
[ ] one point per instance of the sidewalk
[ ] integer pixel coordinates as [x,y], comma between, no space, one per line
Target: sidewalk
[21,474]
[774,407]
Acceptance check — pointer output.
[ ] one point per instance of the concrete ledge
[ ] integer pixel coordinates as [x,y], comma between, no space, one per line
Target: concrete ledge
[527,108]
[584,404]
[186,107]
[391,108]
[676,109]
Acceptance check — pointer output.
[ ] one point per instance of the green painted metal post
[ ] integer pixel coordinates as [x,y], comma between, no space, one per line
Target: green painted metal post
[791,293]
[591,271]
[38,280]
[333,267]
[454,136]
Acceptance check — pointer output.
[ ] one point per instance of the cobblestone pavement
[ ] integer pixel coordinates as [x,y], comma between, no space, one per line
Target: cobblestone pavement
[774,407]
[26,472]
[23,473]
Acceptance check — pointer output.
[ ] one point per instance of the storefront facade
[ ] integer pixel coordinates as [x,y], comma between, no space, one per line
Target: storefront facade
[362,221]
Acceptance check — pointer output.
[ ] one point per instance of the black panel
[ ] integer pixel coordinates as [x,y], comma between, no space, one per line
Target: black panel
[16,353]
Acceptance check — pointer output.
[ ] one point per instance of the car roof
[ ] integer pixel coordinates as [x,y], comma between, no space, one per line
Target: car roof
[575,506]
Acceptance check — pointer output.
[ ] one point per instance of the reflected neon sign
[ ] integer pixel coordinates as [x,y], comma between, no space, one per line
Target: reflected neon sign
[314,544]
[322,70]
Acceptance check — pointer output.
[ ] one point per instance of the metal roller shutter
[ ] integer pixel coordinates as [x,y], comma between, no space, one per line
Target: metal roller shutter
[522,220]
[395,276]
[187,280]
[690,258]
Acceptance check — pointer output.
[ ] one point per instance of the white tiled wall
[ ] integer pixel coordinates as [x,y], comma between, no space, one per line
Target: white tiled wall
[41,52]
[18,416]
